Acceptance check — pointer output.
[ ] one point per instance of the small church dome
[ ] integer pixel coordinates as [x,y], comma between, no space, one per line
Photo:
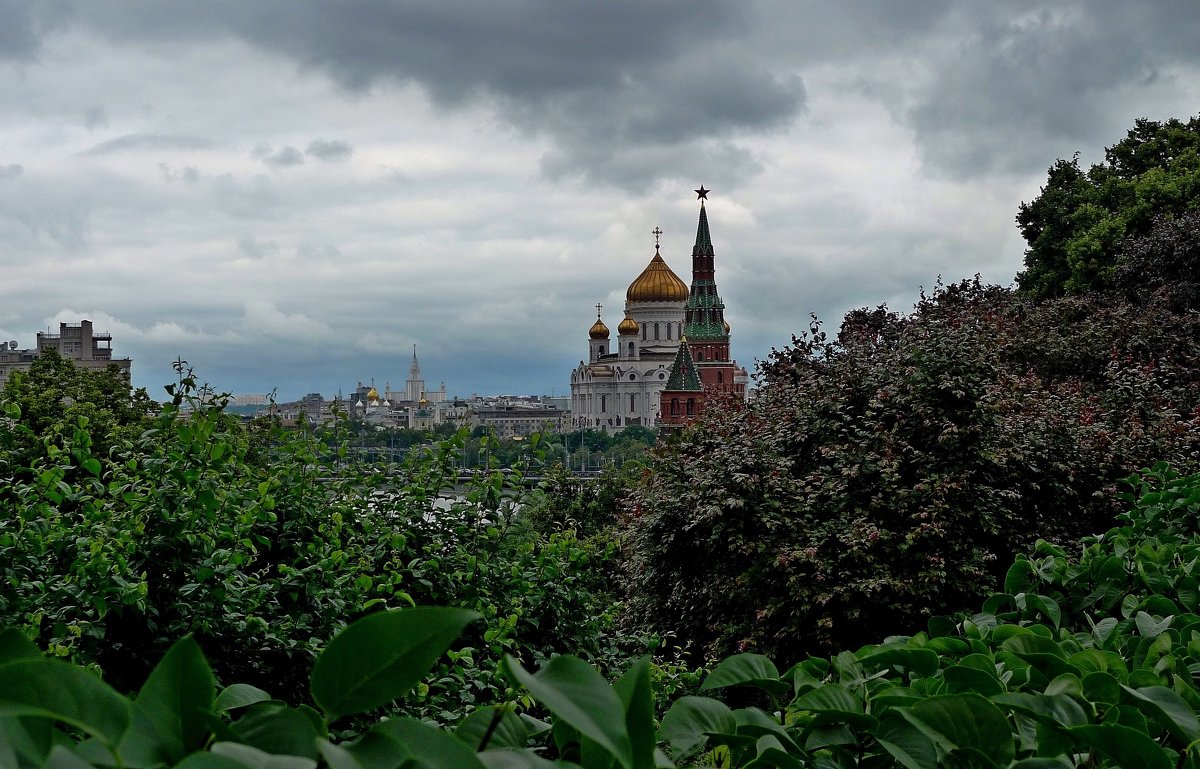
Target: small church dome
[598,330]
[627,326]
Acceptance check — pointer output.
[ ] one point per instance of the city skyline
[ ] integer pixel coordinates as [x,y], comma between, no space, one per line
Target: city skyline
[291,195]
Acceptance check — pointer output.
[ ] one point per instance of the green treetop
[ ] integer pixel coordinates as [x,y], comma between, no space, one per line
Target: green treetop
[1078,225]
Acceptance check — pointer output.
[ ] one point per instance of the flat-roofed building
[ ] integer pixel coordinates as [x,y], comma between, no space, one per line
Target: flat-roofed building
[77,342]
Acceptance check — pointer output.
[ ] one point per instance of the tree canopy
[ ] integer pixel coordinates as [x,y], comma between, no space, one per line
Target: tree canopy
[1079,224]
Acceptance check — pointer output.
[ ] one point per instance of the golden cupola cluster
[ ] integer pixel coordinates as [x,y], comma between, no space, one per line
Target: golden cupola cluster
[627,326]
[598,330]
[657,283]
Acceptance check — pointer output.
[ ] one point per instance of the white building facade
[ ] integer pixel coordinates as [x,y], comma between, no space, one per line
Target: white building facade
[620,382]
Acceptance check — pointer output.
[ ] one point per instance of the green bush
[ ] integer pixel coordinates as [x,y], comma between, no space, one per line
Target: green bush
[892,474]
[263,543]
[1085,661]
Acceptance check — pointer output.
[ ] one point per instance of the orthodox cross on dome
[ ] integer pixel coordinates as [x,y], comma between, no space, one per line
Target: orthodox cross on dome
[599,307]
[701,194]
[657,233]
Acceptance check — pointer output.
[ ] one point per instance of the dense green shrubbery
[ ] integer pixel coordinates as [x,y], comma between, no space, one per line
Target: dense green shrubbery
[263,543]
[890,475]
[1086,661]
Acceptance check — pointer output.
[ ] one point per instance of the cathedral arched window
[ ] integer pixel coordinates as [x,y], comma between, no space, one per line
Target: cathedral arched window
[601,348]
[699,356]
[603,403]
[668,332]
[633,402]
[720,377]
[644,330]
[674,407]
[656,332]
[631,349]
[691,407]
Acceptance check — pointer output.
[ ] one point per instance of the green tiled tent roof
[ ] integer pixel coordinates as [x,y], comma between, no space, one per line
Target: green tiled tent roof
[684,377]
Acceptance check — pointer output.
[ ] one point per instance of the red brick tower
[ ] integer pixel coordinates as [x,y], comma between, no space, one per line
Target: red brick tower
[707,339]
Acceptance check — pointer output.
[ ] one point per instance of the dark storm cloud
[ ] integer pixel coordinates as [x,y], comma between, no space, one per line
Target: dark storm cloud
[284,158]
[22,25]
[329,150]
[1026,76]
[143,141]
[95,117]
[253,248]
[602,81]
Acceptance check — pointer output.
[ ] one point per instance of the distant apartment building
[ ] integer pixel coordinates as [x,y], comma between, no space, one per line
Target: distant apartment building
[77,342]
[512,417]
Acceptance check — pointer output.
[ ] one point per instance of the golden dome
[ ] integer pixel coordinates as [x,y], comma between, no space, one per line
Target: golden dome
[725,323]
[372,394]
[598,330]
[627,326]
[657,283]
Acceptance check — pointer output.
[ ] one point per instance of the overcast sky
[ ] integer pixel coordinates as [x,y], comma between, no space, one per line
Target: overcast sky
[290,194]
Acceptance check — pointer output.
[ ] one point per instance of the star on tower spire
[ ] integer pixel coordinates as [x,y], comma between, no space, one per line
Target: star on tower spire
[701,194]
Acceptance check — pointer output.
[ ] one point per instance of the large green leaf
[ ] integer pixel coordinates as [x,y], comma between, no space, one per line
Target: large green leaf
[749,670]
[638,698]
[1150,627]
[53,689]
[238,696]
[906,743]
[1168,709]
[62,757]
[967,678]
[923,662]
[169,714]
[835,703]
[208,760]
[14,645]
[427,746]
[1019,578]
[756,723]
[691,719]
[381,656]
[1128,748]
[253,758]
[275,728]
[576,693]
[29,738]
[515,759]
[1050,708]
[497,724]
[964,722]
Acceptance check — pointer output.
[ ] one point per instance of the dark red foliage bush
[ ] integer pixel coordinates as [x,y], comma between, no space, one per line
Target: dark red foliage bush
[889,475]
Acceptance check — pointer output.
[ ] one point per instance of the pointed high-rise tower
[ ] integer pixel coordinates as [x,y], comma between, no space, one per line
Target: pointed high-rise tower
[704,317]
[414,386]
[707,336]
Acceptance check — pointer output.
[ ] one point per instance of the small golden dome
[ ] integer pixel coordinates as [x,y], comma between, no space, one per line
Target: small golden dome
[657,283]
[372,394]
[627,326]
[725,323]
[598,330]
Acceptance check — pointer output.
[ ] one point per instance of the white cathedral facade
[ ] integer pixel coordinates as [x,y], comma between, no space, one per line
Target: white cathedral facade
[621,382]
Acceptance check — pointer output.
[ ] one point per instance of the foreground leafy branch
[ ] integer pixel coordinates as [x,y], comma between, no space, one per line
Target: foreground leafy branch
[1084,661]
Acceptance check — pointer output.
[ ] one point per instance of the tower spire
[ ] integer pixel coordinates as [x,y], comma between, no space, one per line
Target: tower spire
[704,316]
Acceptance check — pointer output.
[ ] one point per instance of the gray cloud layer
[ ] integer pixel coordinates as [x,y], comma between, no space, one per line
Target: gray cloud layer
[286,187]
